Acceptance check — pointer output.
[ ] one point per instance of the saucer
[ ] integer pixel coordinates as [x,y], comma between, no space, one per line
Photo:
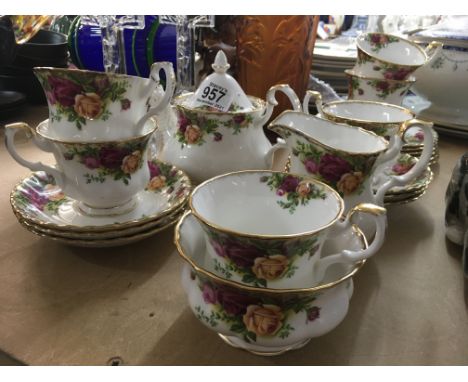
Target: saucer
[403,164]
[39,201]
[404,198]
[104,243]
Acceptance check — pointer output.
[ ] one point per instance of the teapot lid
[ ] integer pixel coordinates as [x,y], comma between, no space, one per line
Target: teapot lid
[220,91]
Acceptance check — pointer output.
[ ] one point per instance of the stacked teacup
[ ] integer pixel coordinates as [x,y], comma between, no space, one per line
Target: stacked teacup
[98,130]
[384,66]
[270,255]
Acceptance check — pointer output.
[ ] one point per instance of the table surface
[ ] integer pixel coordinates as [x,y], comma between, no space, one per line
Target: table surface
[61,305]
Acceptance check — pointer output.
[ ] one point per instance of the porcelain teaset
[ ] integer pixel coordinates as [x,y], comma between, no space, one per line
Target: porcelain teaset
[269,255]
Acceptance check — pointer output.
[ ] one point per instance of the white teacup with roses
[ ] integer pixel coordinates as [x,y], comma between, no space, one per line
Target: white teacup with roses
[267,228]
[103,177]
[96,106]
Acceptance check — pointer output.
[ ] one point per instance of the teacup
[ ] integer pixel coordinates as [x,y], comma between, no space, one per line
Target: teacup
[103,177]
[262,320]
[377,89]
[267,228]
[96,106]
[386,56]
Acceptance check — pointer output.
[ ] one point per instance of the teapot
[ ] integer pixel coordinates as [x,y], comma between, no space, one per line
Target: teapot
[206,142]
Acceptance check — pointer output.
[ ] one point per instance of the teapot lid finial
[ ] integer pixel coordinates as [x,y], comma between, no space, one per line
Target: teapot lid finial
[220,64]
[219,91]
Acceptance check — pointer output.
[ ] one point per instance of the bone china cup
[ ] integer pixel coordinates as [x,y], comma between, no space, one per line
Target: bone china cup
[86,105]
[386,56]
[266,228]
[377,89]
[261,320]
[103,177]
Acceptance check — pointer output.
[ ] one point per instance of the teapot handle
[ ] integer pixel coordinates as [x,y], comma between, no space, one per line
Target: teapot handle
[379,215]
[433,49]
[317,97]
[418,168]
[155,81]
[10,132]
[272,102]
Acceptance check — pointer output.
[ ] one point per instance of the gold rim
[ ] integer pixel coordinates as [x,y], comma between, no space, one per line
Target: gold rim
[415,66]
[106,74]
[113,142]
[249,288]
[118,233]
[366,121]
[273,125]
[410,199]
[184,179]
[261,104]
[351,73]
[259,236]
[99,243]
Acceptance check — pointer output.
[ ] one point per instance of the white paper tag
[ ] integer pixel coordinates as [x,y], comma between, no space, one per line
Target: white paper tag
[215,95]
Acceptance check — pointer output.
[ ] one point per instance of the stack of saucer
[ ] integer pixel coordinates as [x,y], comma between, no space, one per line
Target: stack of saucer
[414,146]
[43,209]
[411,191]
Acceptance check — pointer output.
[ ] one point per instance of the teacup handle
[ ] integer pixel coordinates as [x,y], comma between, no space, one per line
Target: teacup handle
[155,81]
[272,102]
[379,215]
[10,132]
[317,97]
[418,168]
[433,49]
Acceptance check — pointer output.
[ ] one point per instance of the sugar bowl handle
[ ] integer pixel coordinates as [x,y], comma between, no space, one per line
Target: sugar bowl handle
[378,215]
[10,132]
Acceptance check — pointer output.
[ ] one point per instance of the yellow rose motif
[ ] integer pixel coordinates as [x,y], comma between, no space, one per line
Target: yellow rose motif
[192,134]
[53,192]
[131,162]
[263,320]
[88,105]
[157,182]
[350,182]
[303,189]
[270,268]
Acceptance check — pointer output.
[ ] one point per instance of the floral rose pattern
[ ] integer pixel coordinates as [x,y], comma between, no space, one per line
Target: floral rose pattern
[194,128]
[346,174]
[379,41]
[404,163]
[249,315]
[117,161]
[163,176]
[294,190]
[259,262]
[382,88]
[79,98]
[41,194]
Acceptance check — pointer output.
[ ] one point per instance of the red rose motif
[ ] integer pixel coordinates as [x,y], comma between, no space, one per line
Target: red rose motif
[154,169]
[101,83]
[91,162]
[331,167]
[232,302]
[311,166]
[112,157]
[64,91]
[241,254]
[209,294]
[289,183]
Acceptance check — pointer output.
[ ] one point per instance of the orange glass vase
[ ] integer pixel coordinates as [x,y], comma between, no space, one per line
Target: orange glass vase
[275,50]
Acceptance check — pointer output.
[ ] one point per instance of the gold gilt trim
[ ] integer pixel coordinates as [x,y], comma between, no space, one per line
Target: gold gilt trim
[271,291]
[351,73]
[259,236]
[274,125]
[258,103]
